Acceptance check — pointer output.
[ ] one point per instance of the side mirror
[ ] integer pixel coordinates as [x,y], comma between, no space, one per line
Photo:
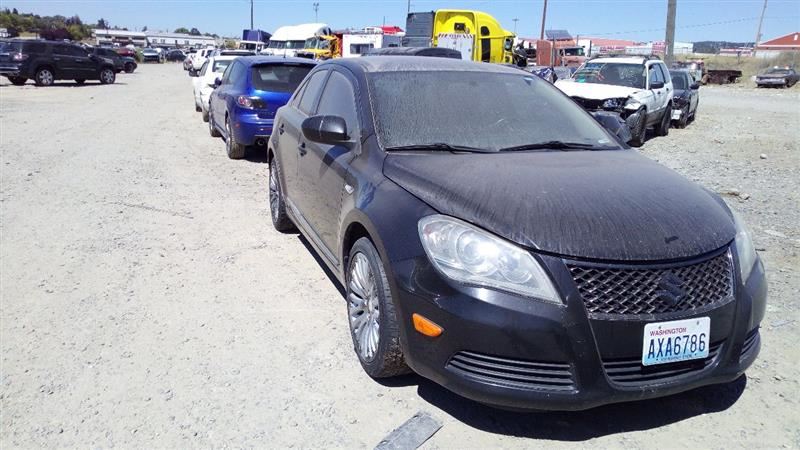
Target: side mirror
[694,86]
[217,82]
[656,85]
[508,45]
[325,129]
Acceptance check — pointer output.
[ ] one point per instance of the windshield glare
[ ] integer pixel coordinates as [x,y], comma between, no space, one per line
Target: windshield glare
[678,81]
[476,109]
[628,75]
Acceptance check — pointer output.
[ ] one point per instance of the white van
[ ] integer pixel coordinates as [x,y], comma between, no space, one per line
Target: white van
[288,40]
[357,43]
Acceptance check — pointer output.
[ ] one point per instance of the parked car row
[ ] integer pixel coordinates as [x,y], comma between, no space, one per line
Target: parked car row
[490,235]
[45,62]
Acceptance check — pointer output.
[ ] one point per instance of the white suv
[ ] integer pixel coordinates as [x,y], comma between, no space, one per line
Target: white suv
[639,88]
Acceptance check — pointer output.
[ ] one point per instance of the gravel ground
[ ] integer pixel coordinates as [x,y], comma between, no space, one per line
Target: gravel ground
[147,302]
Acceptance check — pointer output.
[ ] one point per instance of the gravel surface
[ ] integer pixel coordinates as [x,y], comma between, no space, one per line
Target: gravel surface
[147,302]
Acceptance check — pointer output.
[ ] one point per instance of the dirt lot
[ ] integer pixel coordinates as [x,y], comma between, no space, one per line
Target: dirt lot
[147,302]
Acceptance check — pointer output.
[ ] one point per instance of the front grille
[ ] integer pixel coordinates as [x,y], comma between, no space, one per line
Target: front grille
[631,372]
[629,290]
[750,344]
[512,372]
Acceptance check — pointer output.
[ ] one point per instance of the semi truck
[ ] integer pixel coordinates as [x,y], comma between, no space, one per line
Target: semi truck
[254,40]
[477,35]
[348,44]
[288,40]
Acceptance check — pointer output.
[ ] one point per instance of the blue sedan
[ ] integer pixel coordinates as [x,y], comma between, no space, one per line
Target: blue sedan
[246,98]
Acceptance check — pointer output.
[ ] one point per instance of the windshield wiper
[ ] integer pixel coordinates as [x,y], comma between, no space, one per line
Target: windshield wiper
[440,146]
[555,145]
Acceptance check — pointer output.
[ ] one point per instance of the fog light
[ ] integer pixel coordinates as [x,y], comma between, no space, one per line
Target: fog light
[426,326]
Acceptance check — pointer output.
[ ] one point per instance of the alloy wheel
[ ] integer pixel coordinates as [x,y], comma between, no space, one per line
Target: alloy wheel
[45,77]
[274,191]
[363,306]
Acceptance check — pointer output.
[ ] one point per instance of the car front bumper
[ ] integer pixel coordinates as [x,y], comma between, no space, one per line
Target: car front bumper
[10,70]
[519,353]
[771,81]
[248,128]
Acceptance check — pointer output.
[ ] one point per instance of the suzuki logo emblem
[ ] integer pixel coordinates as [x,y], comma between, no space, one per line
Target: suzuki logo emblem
[670,292]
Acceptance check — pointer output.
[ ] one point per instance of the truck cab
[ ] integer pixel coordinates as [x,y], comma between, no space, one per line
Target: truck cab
[477,35]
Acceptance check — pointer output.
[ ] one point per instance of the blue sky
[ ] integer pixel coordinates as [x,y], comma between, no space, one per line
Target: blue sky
[733,20]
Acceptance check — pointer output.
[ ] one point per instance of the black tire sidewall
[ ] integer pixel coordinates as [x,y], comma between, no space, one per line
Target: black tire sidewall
[388,360]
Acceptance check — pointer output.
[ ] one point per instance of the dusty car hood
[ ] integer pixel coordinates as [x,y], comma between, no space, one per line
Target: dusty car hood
[594,91]
[610,205]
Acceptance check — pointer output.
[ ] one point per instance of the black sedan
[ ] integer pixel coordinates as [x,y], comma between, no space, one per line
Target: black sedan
[784,77]
[175,55]
[685,98]
[493,237]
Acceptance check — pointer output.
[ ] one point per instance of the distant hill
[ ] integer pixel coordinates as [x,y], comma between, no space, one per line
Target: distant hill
[714,46]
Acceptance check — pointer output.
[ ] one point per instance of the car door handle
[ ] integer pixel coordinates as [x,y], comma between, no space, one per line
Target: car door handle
[302,149]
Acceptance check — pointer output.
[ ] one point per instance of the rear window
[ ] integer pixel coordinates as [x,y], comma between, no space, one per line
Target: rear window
[279,77]
[35,47]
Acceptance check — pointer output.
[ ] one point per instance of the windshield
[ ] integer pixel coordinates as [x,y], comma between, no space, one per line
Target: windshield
[778,71]
[476,109]
[220,66]
[279,77]
[295,44]
[574,51]
[678,80]
[629,75]
[277,44]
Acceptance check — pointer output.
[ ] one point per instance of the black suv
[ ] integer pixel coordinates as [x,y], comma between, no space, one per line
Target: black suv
[48,61]
[121,63]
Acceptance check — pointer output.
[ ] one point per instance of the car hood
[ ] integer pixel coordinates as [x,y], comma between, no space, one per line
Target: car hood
[594,91]
[606,205]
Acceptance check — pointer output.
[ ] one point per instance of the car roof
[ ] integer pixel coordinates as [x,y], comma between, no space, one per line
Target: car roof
[622,60]
[374,64]
[252,60]
[224,57]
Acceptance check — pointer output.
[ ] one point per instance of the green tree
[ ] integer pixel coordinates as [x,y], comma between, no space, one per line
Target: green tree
[101,23]
[194,32]
[144,28]
[181,30]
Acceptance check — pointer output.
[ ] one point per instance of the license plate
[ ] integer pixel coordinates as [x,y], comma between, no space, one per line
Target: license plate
[679,340]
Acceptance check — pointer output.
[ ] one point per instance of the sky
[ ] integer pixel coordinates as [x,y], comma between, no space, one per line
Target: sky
[638,20]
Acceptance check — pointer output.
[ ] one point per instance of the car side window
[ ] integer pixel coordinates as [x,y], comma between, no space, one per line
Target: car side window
[61,50]
[203,69]
[298,94]
[339,99]
[655,75]
[664,72]
[35,47]
[236,73]
[313,86]
[227,74]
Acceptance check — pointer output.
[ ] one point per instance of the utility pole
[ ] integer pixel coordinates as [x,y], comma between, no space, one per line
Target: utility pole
[758,32]
[251,14]
[408,9]
[670,37]
[316,11]
[544,17]
[515,25]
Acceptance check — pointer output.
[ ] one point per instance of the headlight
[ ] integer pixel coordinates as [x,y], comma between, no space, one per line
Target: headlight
[632,104]
[470,255]
[744,247]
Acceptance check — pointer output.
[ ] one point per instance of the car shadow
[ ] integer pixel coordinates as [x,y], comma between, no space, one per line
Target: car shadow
[567,426]
[575,426]
[256,154]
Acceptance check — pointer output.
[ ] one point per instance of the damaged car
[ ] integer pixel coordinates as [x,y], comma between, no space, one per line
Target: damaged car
[686,97]
[638,88]
[519,256]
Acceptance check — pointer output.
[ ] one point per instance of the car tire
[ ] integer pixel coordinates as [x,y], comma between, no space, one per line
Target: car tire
[204,114]
[107,76]
[235,150]
[44,77]
[212,129]
[666,119]
[277,204]
[129,68]
[371,314]
[684,120]
[639,133]
[80,81]
[18,81]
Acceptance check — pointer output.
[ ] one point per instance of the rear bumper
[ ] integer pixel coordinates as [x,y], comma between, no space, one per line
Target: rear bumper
[522,354]
[249,128]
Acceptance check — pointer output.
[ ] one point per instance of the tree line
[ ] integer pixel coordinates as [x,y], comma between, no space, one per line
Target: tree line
[60,27]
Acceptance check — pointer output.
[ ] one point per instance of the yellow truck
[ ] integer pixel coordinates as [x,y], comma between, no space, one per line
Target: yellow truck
[477,35]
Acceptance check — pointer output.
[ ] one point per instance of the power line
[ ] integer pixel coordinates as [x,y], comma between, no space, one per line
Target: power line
[698,25]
